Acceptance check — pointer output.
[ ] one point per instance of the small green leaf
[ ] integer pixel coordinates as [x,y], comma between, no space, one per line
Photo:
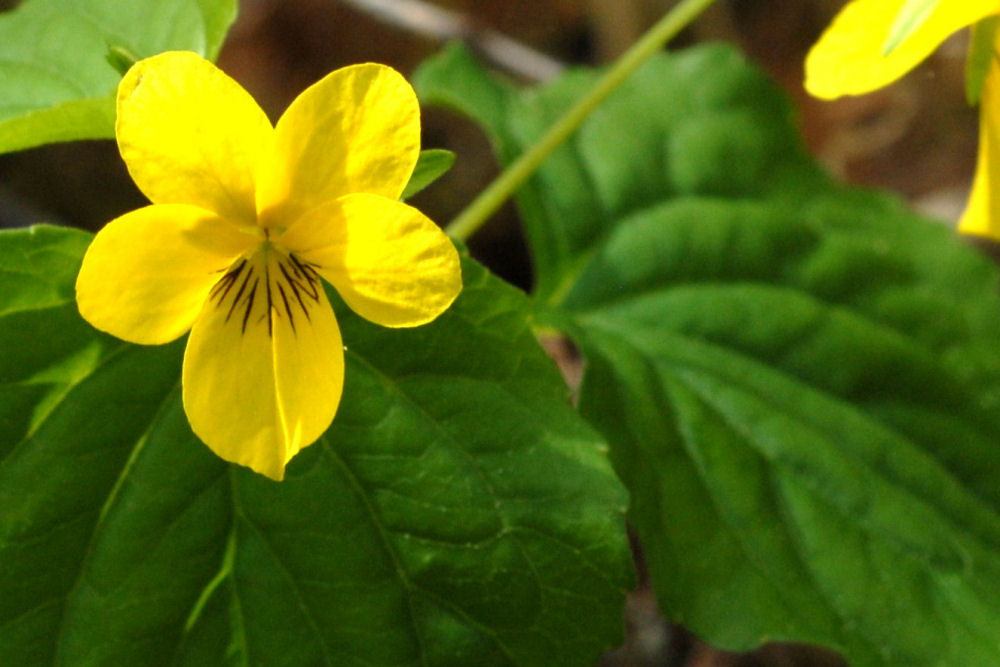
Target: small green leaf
[800,382]
[57,83]
[432,165]
[911,16]
[458,511]
[120,58]
[980,58]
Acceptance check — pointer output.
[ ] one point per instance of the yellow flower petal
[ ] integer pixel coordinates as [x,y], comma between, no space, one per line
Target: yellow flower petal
[191,135]
[264,366]
[356,130]
[848,60]
[388,261]
[982,215]
[146,274]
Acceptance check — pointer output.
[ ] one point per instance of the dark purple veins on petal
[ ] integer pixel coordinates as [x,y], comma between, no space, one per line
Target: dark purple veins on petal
[296,283]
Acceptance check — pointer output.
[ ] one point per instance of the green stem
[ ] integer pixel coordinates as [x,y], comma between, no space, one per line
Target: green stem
[493,197]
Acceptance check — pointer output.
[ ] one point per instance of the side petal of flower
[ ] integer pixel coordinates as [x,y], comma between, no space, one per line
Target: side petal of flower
[264,367]
[189,134]
[982,215]
[146,274]
[848,59]
[388,261]
[355,130]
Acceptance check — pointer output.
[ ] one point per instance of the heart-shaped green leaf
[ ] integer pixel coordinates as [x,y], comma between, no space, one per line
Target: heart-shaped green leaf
[800,382]
[56,83]
[457,511]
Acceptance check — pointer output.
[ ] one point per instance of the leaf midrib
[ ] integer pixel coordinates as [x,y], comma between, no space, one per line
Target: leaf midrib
[394,387]
[112,494]
[677,362]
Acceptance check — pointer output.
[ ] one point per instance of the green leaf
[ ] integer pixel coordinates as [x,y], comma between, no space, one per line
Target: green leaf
[457,511]
[980,58]
[57,84]
[911,16]
[802,395]
[800,382]
[617,163]
[432,165]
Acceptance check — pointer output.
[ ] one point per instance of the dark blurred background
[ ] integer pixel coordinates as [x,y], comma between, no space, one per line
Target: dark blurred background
[916,137]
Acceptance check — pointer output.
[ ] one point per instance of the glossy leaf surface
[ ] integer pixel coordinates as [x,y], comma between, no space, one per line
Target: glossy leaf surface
[799,381]
[457,511]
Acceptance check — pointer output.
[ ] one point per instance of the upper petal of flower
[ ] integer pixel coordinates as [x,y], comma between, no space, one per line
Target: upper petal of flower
[848,59]
[982,215]
[264,366]
[355,130]
[146,274]
[189,134]
[388,261]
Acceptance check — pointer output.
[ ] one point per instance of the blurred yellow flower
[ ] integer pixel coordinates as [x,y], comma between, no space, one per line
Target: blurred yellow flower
[982,215]
[857,54]
[246,219]
[852,57]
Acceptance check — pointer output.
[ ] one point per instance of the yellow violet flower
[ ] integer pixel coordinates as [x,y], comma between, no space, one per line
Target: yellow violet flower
[852,57]
[246,219]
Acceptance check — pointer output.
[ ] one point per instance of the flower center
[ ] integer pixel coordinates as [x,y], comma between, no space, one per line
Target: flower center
[266,286]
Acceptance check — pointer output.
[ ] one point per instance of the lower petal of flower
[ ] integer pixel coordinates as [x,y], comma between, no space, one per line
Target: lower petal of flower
[264,366]
[146,274]
[390,263]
